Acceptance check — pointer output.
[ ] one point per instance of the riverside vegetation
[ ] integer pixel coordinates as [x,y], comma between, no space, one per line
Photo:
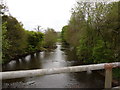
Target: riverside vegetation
[94,32]
[17,42]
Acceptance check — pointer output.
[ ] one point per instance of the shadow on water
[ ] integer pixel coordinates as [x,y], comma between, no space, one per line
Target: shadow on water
[52,59]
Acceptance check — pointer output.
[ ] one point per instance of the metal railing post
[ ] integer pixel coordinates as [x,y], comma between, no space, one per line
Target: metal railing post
[108,75]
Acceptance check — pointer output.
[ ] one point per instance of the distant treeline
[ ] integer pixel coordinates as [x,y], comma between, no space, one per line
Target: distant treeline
[16,41]
[94,31]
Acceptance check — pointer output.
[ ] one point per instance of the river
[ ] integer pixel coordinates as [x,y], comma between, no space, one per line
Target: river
[49,59]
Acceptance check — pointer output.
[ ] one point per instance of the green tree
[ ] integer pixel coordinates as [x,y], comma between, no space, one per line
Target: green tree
[50,38]
[5,44]
[34,41]
[93,30]
[16,36]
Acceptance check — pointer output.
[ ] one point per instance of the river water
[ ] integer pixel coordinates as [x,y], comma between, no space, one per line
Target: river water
[51,59]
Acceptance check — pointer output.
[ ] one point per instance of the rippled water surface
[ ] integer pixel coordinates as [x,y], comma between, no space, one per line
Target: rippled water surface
[49,59]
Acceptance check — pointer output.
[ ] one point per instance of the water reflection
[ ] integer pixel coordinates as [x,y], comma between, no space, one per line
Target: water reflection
[52,59]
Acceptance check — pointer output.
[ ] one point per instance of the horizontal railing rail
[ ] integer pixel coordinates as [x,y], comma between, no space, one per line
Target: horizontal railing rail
[30,73]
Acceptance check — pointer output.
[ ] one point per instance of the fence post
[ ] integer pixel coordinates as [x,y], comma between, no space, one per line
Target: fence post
[108,75]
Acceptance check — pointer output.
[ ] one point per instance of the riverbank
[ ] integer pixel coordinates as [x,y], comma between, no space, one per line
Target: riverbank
[22,56]
[54,55]
[29,53]
[19,57]
[116,73]
[52,59]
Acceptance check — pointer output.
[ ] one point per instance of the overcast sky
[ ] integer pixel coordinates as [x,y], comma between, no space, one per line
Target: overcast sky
[46,13]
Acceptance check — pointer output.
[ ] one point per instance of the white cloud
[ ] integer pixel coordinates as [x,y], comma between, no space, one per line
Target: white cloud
[46,13]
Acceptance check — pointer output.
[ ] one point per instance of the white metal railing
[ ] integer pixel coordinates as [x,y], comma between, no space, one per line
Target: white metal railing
[30,73]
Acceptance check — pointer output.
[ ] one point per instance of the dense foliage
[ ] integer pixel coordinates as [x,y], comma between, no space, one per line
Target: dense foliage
[50,38]
[35,41]
[16,36]
[94,31]
[17,42]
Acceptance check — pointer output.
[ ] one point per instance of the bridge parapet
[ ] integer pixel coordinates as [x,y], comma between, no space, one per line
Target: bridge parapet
[30,73]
